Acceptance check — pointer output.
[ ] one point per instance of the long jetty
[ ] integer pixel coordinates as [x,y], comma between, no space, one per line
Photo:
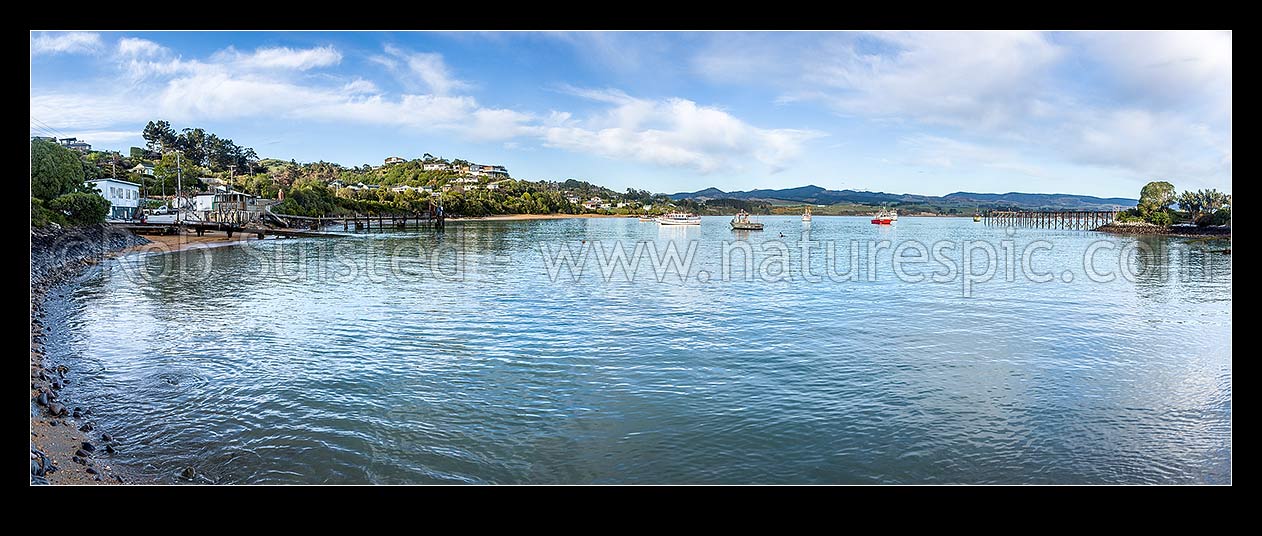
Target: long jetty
[366,222]
[1083,220]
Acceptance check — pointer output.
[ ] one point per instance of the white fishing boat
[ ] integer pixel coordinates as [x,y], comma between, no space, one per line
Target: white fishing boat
[679,218]
[806,215]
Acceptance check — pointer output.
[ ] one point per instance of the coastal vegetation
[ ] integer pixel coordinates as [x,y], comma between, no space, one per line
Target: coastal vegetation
[1201,207]
[58,193]
[196,160]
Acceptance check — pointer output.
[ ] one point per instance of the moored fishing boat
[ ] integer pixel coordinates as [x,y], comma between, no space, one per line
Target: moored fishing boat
[740,222]
[885,217]
[806,215]
[679,218]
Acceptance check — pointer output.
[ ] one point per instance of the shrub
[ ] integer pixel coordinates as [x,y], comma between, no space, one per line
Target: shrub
[81,208]
[1130,215]
[1221,217]
[42,217]
[1159,218]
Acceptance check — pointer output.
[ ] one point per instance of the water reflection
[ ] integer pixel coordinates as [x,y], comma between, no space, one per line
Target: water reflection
[506,376]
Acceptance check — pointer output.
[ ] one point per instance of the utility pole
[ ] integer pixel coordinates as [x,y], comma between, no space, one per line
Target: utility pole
[179,187]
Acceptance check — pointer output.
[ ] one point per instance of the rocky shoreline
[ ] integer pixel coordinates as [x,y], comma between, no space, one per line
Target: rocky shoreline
[1144,228]
[65,443]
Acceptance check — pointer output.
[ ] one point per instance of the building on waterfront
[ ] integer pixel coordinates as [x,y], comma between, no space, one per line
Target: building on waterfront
[224,204]
[466,180]
[143,169]
[394,160]
[124,197]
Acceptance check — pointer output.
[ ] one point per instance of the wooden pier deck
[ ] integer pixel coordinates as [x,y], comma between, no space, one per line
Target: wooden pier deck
[1081,220]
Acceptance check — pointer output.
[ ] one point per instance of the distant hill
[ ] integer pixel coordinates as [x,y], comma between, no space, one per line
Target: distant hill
[960,200]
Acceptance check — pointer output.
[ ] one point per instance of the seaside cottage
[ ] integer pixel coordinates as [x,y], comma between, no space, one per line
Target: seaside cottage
[143,169]
[124,197]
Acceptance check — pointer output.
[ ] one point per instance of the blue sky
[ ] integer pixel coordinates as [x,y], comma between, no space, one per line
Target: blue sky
[1096,113]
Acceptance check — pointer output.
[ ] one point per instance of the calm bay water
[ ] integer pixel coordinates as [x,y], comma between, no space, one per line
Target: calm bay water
[310,361]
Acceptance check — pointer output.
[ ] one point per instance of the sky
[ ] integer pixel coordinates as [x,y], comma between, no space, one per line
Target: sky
[1094,113]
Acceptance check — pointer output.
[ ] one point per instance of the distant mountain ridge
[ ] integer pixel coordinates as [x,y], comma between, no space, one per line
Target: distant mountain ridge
[822,196]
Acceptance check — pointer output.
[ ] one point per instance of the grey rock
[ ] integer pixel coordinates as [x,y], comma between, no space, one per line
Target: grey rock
[92,471]
[188,473]
[80,453]
[109,449]
[106,437]
[56,409]
[89,447]
[42,399]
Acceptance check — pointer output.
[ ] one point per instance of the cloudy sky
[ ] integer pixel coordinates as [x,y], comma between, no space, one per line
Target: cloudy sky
[1096,113]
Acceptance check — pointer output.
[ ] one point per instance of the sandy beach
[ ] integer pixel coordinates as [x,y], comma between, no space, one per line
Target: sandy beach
[184,240]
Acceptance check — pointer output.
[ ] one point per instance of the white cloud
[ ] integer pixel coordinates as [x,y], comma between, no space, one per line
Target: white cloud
[1170,69]
[673,132]
[136,47]
[280,58]
[1131,104]
[272,82]
[429,67]
[65,43]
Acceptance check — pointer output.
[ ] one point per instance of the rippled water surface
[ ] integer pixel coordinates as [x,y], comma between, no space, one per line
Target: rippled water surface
[416,357]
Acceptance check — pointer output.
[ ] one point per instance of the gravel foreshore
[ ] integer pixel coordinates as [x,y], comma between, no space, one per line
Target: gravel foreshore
[66,445]
[1142,228]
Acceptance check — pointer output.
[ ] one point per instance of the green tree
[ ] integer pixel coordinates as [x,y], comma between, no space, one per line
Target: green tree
[1190,203]
[159,136]
[55,170]
[192,142]
[1156,196]
[81,208]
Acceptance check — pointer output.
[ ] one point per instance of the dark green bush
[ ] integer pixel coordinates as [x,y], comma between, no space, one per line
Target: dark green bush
[42,217]
[81,208]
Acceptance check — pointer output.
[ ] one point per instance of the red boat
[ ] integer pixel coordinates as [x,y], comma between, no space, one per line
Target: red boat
[885,217]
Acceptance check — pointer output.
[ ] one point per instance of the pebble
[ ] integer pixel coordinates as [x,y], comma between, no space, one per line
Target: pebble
[42,399]
[106,437]
[77,460]
[110,449]
[56,409]
[118,478]
[89,447]
[98,478]
[188,473]
[80,453]
[87,427]
[92,471]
